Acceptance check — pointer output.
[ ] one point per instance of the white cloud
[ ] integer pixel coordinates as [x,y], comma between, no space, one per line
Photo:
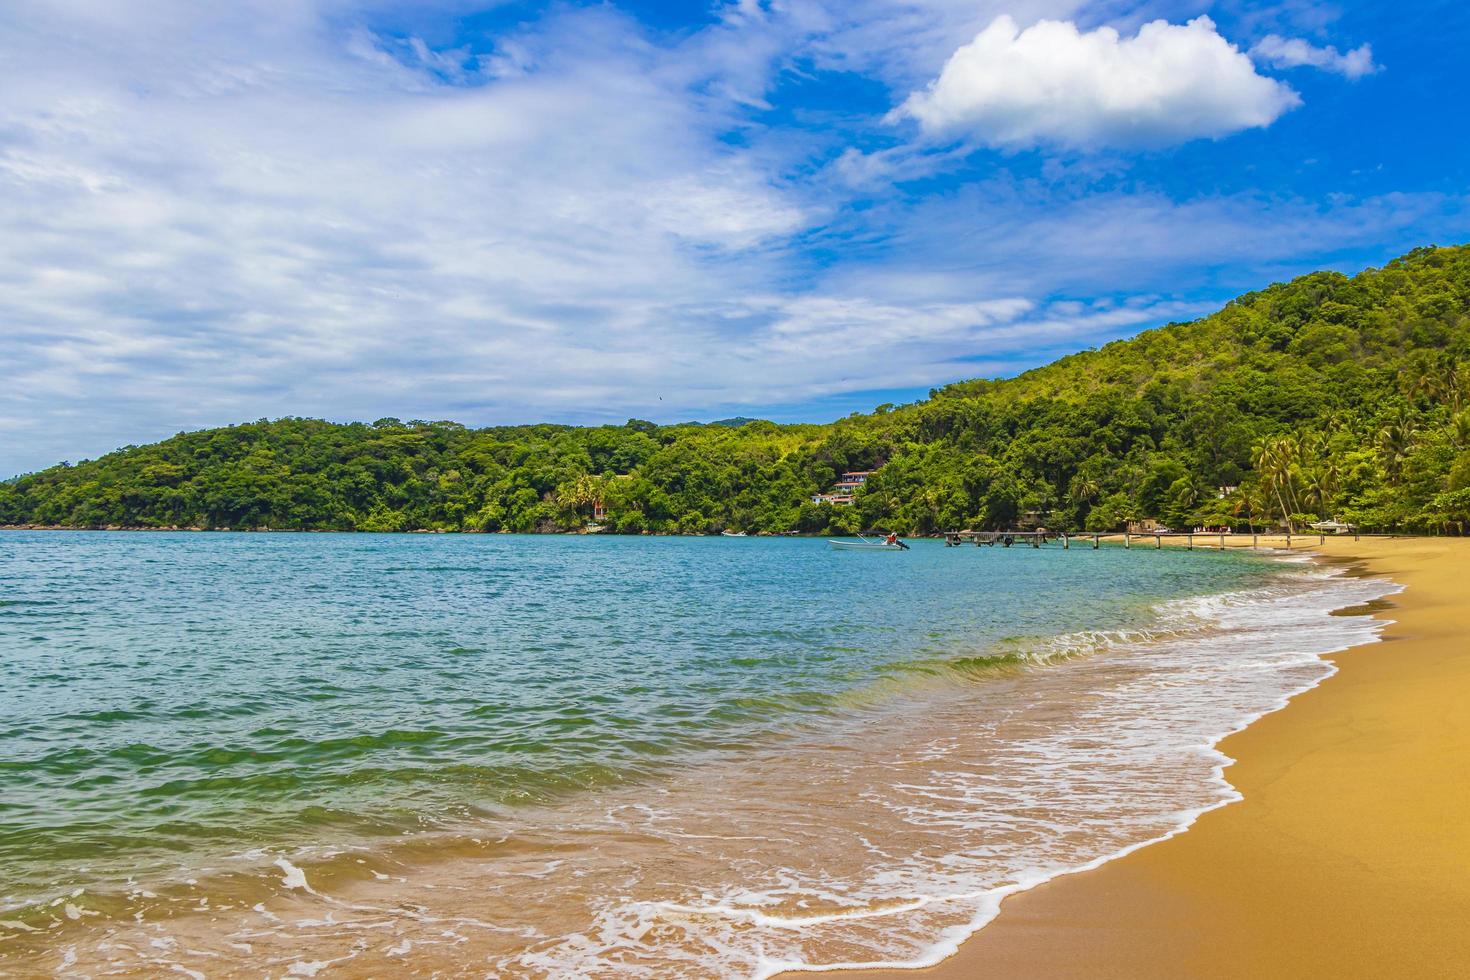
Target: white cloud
[1293,52]
[209,218]
[1024,238]
[1054,84]
[906,42]
[217,212]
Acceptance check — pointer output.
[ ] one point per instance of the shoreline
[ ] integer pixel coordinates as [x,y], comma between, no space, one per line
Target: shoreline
[835,776]
[1072,929]
[1343,855]
[1209,540]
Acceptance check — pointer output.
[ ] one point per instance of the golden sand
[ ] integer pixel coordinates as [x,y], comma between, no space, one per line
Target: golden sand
[1350,855]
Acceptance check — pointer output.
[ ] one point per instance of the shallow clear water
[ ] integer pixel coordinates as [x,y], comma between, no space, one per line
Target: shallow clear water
[187,708]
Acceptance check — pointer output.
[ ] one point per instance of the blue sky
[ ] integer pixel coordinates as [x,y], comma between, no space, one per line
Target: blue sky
[582,212]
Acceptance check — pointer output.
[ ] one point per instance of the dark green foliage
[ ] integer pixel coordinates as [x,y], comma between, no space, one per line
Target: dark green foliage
[1326,397]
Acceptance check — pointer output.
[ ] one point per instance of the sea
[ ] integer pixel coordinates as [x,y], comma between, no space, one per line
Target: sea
[343,755]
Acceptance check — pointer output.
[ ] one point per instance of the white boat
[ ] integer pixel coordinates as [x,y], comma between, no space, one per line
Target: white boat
[866,546]
[733,534]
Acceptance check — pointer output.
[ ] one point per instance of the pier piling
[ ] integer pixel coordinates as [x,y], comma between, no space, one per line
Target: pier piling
[1038,538]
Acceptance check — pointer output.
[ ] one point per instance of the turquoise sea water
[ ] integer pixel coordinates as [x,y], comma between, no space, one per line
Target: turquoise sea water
[169,698]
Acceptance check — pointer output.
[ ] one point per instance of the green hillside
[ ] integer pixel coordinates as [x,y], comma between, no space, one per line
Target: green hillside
[1329,396]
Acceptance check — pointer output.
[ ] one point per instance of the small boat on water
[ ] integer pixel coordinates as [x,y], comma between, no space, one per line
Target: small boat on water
[733,534]
[863,544]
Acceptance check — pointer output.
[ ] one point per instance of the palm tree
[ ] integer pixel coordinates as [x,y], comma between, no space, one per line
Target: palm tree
[931,498]
[1249,501]
[1457,387]
[1395,440]
[583,492]
[1085,490]
[1310,447]
[1188,491]
[1427,386]
[1321,488]
[1274,459]
[1460,431]
[1336,420]
[1263,458]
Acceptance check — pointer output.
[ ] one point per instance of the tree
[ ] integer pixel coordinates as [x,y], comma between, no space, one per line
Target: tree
[1395,441]
[1328,396]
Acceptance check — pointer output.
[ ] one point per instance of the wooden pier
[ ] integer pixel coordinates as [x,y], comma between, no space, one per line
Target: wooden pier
[1035,539]
[1003,538]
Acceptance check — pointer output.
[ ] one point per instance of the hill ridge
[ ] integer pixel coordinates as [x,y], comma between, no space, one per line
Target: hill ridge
[1326,396]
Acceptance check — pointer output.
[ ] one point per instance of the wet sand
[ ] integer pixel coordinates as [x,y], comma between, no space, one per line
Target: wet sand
[1347,858]
[1350,855]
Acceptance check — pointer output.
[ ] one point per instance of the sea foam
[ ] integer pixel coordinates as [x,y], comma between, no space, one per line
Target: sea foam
[882,835]
[1122,753]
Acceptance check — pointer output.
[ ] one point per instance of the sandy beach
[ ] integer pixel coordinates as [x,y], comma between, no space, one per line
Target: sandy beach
[1350,854]
[1347,856]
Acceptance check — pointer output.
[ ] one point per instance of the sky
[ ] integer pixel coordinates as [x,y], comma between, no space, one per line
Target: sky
[584,212]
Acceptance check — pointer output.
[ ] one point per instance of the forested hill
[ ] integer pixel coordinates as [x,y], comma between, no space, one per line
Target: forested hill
[1324,397]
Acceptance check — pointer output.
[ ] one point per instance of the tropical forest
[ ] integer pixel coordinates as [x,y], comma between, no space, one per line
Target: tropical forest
[1325,398]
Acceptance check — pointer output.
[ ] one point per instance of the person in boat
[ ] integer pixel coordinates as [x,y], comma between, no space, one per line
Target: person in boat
[892,539]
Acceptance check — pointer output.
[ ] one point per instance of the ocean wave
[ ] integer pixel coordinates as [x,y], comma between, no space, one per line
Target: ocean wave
[1243,654]
[881,836]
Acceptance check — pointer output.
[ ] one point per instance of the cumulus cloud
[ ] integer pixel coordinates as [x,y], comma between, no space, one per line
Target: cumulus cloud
[1293,52]
[1052,83]
[217,212]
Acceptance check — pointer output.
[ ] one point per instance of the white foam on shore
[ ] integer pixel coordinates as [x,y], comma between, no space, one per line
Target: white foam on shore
[1164,696]
[884,838]
[1229,610]
[292,876]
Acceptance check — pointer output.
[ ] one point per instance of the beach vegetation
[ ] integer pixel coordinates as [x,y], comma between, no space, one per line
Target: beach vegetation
[1327,397]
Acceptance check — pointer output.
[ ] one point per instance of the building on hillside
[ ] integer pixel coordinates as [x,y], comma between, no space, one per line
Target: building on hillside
[1223,492]
[843,490]
[599,506]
